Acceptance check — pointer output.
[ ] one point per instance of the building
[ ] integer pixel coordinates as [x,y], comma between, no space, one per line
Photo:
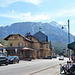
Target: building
[28,46]
[20,45]
[44,49]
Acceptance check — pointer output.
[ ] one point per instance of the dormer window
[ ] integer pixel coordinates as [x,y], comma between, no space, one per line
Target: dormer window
[30,38]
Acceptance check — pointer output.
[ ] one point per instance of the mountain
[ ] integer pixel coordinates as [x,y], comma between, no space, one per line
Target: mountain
[52,30]
[53,23]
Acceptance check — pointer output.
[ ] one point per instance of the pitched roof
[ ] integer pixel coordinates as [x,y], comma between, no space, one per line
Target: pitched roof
[17,34]
[33,37]
[41,37]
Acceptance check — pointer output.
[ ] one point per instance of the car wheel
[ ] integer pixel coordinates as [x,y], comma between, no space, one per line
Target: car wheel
[6,64]
[18,61]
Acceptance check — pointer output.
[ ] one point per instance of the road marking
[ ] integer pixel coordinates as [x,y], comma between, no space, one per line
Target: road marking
[45,69]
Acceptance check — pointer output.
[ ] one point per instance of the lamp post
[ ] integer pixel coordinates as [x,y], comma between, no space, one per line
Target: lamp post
[68,36]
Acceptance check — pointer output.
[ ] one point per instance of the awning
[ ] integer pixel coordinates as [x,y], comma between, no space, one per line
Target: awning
[25,48]
[72,46]
[1,45]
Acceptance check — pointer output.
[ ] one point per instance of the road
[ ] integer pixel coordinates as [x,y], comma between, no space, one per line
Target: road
[34,67]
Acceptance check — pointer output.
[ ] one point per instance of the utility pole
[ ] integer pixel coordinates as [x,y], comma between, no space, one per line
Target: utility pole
[69,37]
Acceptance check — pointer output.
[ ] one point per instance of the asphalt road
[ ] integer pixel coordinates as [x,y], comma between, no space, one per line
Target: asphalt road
[34,67]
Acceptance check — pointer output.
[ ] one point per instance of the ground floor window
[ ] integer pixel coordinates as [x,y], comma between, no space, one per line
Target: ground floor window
[11,53]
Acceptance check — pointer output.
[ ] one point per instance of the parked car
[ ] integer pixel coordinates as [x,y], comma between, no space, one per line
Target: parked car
[54,56]
[48,57]
[13,59]
[61,58]
[4,60]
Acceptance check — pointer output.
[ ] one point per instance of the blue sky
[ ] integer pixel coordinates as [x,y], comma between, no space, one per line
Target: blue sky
[12,11]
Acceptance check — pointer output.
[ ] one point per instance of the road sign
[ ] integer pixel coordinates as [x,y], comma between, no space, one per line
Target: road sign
[60,51]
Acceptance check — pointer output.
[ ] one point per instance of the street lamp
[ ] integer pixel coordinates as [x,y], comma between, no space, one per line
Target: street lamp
[68,36]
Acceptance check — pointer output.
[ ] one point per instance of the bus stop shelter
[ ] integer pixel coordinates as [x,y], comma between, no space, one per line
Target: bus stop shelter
[72,47]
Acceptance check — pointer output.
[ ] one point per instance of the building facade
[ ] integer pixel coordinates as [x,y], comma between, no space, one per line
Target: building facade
[43,49]
[27,46]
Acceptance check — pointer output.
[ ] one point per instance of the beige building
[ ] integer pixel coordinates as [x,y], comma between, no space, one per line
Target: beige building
[43,49]
[19,45]
[26,46]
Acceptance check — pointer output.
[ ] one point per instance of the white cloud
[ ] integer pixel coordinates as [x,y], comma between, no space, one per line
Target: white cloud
[64,13]
[4,3]
[67,13]
[25,16]
[1,25]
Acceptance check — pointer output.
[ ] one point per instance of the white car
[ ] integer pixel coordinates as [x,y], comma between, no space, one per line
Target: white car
[61,58]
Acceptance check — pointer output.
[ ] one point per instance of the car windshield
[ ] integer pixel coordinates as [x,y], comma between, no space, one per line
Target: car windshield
[11,57]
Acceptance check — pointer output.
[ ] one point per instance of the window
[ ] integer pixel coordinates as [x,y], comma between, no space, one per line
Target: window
[11,44]
[40,46]
[30,38]
[15,37]
[46,46]
[20,44]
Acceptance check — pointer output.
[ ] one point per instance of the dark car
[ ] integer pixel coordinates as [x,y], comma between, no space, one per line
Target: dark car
[54,56]
[4,60]
[48,57]
[13,59]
